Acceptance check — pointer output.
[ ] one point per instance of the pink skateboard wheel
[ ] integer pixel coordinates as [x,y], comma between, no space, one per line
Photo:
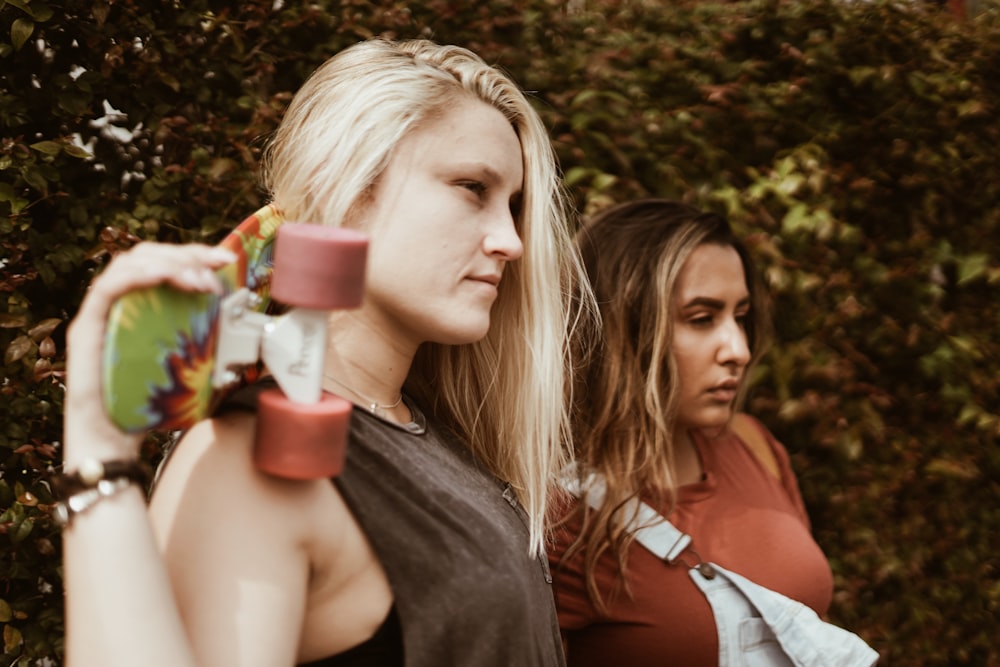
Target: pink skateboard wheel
[301,440]
[319,267]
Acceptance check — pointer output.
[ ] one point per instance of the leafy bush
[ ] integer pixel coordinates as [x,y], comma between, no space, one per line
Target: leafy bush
[856,146]
[853,143]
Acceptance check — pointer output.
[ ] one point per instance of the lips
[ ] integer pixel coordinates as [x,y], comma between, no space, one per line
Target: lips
[725,391]
[491,278]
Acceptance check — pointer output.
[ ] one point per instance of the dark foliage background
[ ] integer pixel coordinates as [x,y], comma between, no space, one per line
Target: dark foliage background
[854,144]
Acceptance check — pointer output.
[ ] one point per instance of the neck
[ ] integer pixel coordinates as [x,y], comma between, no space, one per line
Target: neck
[366,367]
[687,464]
[375,406]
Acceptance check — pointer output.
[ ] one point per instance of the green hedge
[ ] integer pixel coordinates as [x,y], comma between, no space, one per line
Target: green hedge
[854,143]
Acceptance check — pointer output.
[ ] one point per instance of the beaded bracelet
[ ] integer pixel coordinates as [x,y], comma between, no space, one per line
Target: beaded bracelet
[66,510]
[93,481]
[92,471]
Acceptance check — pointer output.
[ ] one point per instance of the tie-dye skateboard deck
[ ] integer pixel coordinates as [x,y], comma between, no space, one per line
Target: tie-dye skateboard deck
[170,356]
[159,352]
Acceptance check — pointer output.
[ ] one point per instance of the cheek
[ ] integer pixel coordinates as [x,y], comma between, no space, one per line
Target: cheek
[685,376]
[686,359]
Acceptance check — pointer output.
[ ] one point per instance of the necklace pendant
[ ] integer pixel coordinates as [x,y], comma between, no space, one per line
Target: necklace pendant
[374,409]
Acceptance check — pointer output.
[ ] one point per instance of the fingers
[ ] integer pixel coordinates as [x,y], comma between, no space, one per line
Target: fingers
[187,267]
[88,431]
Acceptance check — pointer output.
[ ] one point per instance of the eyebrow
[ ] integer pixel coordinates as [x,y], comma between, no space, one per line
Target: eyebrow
[487,170]
[714,304]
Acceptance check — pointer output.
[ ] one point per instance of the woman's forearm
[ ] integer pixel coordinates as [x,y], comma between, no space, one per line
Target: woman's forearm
[120,609]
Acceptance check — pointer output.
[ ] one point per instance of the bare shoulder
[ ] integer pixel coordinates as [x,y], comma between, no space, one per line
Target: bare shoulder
[229,532]
[748,427]
[211,477]
[755,436]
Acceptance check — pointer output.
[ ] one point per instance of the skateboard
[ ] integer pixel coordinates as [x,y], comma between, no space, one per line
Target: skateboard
[170,357]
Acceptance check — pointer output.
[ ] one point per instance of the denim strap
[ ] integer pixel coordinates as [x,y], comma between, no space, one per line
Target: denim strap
[654,532]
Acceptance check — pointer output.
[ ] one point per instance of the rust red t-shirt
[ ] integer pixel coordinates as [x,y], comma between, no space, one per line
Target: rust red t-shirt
[739,516]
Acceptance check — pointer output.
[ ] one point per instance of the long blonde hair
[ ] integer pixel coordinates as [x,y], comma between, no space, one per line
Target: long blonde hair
[506,394]
[625,411]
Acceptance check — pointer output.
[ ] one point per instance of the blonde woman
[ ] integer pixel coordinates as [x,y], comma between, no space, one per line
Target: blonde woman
[428,548]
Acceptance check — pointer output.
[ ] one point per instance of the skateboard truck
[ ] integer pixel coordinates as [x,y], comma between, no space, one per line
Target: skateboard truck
[301,432]
[240,330]
[292,345]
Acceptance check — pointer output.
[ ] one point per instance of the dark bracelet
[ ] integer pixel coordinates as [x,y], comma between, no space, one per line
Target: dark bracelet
[92,471]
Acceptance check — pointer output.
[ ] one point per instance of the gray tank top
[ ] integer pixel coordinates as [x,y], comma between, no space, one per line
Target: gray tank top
[453,541]
[454,544]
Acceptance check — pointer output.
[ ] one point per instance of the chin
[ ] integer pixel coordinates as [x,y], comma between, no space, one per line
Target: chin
[713,420]
[463,336]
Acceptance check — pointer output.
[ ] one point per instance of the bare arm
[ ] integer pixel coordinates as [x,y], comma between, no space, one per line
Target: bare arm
[229,566]
[235,545]
[120,609]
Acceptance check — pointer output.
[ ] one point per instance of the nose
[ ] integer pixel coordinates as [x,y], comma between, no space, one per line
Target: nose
[502,239]
[734,347]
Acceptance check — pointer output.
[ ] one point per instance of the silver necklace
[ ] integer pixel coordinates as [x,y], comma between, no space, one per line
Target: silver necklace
[373,406]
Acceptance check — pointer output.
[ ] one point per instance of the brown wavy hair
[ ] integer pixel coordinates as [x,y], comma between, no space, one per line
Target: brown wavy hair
[626,395]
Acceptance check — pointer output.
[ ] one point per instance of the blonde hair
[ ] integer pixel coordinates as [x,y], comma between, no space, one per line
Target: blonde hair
[625,413]
[506,395]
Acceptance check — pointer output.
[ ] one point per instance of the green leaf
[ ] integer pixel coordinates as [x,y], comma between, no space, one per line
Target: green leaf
[169,80]
[44,328]
[77,151]
[41,11]
[48,147]
[20,4]
[972,267]
[100,9]
[12,639]
[22,531]
[576,175]
[797,219]
[604,181]
[20,31]
[17,349]
[33,176]
[951,468]
[13,320]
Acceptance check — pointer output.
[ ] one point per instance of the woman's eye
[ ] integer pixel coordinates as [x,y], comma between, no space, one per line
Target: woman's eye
[476,187]
[701,320]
